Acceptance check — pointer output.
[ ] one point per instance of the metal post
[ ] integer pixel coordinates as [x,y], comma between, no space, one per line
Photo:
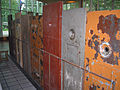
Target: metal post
[19,6]
[39,65]
[26,4]
[41,8]
[80,3]
[0,20]
[90,5]
[37,6]
[104,4]
[63,75]
[32,5]
[66,6]
[112,4]
[10,6]
[49,71]
[85,3]
[98,5]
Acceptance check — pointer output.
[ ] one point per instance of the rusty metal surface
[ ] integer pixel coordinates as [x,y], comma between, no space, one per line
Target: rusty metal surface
[25,31]
[36,40]
[73,45]
[52,28]
[102,50]
[14,41]
[19,37]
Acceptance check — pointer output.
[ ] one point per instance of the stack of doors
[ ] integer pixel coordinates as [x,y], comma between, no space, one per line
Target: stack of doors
[89,49]
[88,43]
[64,36]
[36,44]
[20,40]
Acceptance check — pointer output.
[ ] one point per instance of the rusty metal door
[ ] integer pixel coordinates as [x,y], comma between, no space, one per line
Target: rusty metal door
[73,45]
[102,50]
[36,41]
[52,28]
[25,30]
[18,39]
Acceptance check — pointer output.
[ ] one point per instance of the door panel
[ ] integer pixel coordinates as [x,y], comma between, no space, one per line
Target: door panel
[102,50]
[73,45]
[52,25]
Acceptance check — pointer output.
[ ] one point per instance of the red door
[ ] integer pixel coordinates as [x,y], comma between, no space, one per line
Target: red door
[52,28]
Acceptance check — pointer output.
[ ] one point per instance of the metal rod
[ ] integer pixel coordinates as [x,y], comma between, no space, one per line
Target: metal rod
[32,5]
[85,3]
[10,6]
[39,67]
[80,3]
[26,4]
[98,5]
[63,75]
[37,6]
[50,54]
[15,10]
[0,19]
[104,4]
[19,5]
[112,4]
[49,71]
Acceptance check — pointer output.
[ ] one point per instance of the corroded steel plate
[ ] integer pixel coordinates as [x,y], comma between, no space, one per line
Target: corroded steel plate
[102,50]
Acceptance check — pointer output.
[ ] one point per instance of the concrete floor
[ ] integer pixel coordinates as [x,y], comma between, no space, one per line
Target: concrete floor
[11,78]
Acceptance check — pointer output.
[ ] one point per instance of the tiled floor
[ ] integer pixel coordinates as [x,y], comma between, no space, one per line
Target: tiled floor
[11,78]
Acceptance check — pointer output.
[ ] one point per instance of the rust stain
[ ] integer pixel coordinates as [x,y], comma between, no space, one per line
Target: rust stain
[37,42]
[89,43]
[92,87]
[118,35]
[94,36]
[110,25]
[102,49]
[91,31]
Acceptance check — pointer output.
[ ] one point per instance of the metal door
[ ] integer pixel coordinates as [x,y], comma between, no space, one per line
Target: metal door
[73,45]
[36,41]
[18,38]
[102,50]
[52,28]
[25,30]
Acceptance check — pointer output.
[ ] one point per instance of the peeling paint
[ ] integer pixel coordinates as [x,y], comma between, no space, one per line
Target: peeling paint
[103,48]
